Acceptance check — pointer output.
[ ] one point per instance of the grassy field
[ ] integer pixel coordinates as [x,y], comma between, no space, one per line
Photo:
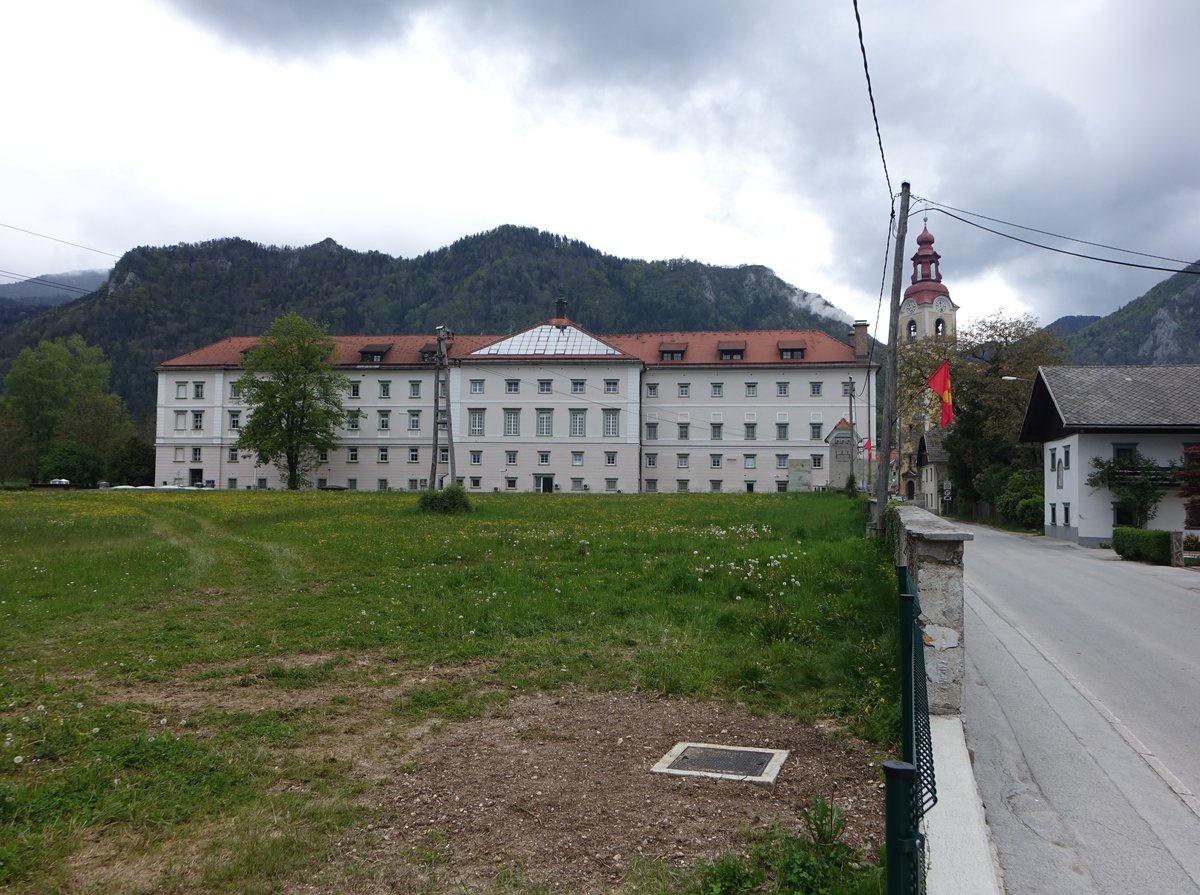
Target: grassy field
[774,601]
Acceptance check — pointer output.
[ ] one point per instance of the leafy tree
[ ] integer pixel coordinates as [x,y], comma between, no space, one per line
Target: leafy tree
[1135,481]
[99,421]
[81,464]
[16,447]
[43,381]
[294,396]
[1187,477]
[132,463]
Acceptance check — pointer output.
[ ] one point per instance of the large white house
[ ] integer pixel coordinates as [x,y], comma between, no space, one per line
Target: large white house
[1079,413]
[552,408]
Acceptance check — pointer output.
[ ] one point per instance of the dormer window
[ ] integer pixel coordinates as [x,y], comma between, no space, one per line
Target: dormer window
[731,350]
[373,354]
[672,350]
[791,350]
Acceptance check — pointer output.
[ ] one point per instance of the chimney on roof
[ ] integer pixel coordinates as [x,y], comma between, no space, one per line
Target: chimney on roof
[560,311]
[860,340]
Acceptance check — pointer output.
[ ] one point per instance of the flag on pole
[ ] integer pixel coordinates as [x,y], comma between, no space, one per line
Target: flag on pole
[940,383]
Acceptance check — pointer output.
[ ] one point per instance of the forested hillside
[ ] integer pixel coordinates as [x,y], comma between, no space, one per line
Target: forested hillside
[1161,327]
[162,302]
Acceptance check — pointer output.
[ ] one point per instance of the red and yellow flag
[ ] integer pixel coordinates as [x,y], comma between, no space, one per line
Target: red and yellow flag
[940,383]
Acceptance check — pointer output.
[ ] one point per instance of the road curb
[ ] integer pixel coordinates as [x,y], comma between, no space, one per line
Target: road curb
[959,849]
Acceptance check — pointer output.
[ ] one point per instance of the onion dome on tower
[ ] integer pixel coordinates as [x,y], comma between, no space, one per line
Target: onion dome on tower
[927,310]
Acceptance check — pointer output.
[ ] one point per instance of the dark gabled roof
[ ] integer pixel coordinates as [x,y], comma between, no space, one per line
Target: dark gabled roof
[931,449]
[1163,397]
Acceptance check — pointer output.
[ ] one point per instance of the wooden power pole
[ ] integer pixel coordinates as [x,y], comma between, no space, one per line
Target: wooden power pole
[891,373]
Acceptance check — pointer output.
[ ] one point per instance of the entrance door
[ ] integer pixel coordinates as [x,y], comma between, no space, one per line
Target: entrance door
[195,477]
[543,483]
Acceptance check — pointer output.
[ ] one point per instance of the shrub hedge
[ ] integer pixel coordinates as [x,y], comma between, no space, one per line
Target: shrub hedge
[447,501]
[1143,545]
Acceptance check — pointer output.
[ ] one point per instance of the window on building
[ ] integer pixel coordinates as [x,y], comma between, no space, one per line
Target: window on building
[235,391]
[1067,514]
[382,484]
[716,431]
[714,461]
[196,454]
[197,389]
[235,419]
[476,481]
[652,390]
[911,330]
[1054,514]
[751,389]
[351,455]
[355,389]
[443,454]
[714,485]
[781,461]
[750,461]
[180,420]
[731,353]
[814,431]
[939,327]
[178,455]
[322,456]
[231,484]
[576,484]
[718,389]
[681,461]
[652,460]
[545,423]
[685,430]
[197,420]
[510,458]
[791,354]
[651,431]
[1053,459]
[351,484]
[476,387]
[385,420]
[1124,451]
[651,485]
[671,355]
[181,389]
[512,421]
[1066,465]
[545,386]
[476,458]
[781,389]
[510,484]
[847,388]
[578,386]
[818,460]
[576,458]
[751,432]
[414,388]
[381,455]
[610,458]
[610,484]
[578,422]
[781,431]
[611,422]
[352,420]
[385,389]
[681,485]
[233,455]
[512,386]
[685,389]
[475,421]
[543,458]
[611,387]
[414,455]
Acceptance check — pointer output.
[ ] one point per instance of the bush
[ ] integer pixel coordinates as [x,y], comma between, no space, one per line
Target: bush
[1021,486]
[447,501]
[1030,513]
[1143,545]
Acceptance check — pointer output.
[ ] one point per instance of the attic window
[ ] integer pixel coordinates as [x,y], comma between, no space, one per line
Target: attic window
[672,350]
[731,350]
[791,349]
[429,352]
[373,354]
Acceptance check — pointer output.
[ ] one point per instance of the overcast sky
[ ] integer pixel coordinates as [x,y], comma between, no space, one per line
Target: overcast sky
[730,133]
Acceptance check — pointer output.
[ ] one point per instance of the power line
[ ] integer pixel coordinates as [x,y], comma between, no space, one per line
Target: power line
[40,281]
[1037,245]
[871,95]
[56,239]
[1099,245]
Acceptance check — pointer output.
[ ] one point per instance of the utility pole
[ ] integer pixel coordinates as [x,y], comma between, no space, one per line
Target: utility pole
[853,431]
[444,361]
[437,397]
[889,395]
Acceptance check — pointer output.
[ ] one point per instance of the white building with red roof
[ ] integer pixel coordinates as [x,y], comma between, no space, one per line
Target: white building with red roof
[550,408]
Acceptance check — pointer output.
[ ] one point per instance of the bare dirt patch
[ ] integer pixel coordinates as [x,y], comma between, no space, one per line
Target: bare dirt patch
[556,791]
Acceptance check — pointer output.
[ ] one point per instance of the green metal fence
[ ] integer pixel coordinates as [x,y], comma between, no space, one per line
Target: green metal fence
[911,788]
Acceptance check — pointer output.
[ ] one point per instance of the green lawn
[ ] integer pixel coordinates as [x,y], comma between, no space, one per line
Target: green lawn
[775,601]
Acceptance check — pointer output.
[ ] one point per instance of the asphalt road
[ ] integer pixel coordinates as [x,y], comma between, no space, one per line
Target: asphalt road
[1082,709]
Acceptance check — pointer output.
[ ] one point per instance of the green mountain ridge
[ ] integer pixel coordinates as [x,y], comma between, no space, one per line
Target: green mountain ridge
[1160,327]
[160,302]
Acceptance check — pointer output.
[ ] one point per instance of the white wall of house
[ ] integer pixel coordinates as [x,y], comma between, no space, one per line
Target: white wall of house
[1074,510]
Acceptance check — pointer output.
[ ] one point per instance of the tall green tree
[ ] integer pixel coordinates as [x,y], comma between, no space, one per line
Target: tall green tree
[44,380]
[294,395]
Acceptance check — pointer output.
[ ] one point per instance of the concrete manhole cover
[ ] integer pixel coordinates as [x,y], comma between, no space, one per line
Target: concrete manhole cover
[726,762]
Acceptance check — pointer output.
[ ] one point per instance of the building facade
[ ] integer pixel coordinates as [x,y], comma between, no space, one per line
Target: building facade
[553,408]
